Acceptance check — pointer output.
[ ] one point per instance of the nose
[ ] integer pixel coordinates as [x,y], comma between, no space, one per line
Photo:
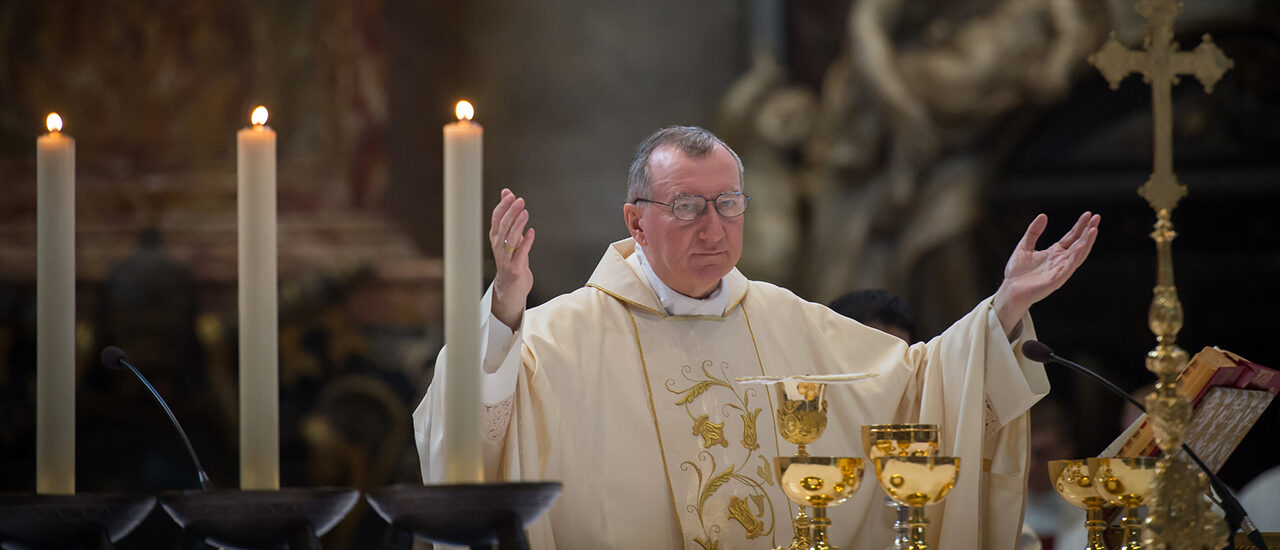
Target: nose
[712,225]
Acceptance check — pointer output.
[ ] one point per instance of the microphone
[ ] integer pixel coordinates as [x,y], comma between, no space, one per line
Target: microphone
[115,359]
[1237,518]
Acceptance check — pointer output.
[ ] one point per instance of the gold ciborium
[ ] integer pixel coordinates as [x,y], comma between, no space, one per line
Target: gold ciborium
[1125,482]
[1074,484]
[917,481]
[899,440]
[819,482]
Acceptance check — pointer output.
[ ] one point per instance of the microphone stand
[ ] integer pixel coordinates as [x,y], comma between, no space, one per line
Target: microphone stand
[1236,516]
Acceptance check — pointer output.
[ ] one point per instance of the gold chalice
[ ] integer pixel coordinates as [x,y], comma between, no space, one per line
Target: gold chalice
[917,481]
[816,481]
[899,440]
[1125,482]
[802,412]
[802,417]
[1074,484]
[819,481]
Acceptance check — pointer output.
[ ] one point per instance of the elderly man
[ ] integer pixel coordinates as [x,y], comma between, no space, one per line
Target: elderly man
[625,389]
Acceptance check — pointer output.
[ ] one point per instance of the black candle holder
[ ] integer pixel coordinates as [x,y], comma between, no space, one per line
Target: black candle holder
[255,519]
[473,514]
[93,521]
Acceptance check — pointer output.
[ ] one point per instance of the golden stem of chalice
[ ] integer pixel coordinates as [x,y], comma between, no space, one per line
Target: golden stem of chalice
[1125,482]
[917,481]
[899,440]
[1074,484]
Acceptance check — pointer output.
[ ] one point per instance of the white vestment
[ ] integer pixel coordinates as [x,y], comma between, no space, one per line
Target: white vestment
[637,413]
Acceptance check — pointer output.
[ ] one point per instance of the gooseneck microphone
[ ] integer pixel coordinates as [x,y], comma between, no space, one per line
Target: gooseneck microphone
[115,359]
[1236,517]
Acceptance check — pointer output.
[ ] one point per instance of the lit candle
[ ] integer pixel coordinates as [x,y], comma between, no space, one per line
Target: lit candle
[259,329]
[55,311]
[463,146]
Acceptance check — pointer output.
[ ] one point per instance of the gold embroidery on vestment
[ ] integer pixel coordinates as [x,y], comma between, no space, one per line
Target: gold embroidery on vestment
[751,512]
[712,433]
[777,447]
[635,330]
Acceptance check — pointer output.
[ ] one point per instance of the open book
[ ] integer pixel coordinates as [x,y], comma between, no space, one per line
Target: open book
[1228,394]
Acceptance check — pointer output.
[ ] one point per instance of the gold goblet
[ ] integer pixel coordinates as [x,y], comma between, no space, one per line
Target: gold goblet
[1074,484]
[802,417]
[899,440]
[917,481]
[1125,482]
[819,481]
[802,412]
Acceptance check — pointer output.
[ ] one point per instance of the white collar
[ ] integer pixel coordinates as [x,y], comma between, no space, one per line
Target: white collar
[676,303]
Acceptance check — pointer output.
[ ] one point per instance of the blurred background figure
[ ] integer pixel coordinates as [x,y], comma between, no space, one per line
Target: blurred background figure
[878,309]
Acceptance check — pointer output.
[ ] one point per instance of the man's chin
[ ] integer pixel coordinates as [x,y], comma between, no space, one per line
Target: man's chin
[712,272]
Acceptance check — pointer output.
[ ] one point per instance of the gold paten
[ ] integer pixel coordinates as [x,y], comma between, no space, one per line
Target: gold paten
[900,440]
[917,481]
[1125,482]
[1179,515]
[1074,484]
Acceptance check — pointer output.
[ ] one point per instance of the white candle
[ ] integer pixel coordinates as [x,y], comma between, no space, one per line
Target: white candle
[259,328]
[55,311]
[463,146]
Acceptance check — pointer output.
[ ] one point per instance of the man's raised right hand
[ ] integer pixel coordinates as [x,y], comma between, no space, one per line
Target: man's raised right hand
[510,244]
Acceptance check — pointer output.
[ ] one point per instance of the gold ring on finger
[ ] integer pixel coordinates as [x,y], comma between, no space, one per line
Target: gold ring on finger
[510,249]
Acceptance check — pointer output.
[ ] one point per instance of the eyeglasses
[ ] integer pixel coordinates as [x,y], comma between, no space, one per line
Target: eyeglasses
[730,204]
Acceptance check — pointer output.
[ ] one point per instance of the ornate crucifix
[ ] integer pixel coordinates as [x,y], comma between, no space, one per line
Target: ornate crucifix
[1160,64]
[1178,517]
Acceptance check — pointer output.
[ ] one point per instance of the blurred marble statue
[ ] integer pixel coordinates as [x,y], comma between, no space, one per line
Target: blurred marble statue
[883,165]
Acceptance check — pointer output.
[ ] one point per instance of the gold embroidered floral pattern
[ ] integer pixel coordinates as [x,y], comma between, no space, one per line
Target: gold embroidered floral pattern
[766,475]
[739,512]
[749,430]
[748,505]
[712,432]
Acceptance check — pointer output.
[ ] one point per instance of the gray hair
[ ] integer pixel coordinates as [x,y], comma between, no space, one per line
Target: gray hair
[691,140]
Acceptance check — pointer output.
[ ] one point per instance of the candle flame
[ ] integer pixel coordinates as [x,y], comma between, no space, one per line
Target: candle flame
[54,122]
[259,116]
[464,110]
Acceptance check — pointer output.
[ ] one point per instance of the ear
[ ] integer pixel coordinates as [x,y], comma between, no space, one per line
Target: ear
[631,215]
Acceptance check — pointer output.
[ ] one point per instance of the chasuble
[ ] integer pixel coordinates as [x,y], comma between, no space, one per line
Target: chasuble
[637,413]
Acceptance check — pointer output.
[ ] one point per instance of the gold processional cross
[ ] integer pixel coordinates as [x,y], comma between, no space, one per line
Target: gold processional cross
[1179,516]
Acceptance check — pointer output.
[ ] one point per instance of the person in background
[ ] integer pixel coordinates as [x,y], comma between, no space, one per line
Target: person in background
[878,309]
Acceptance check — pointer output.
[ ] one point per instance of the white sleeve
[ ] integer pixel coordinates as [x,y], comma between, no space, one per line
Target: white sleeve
[501,359]
[1013,382]
[500,364]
